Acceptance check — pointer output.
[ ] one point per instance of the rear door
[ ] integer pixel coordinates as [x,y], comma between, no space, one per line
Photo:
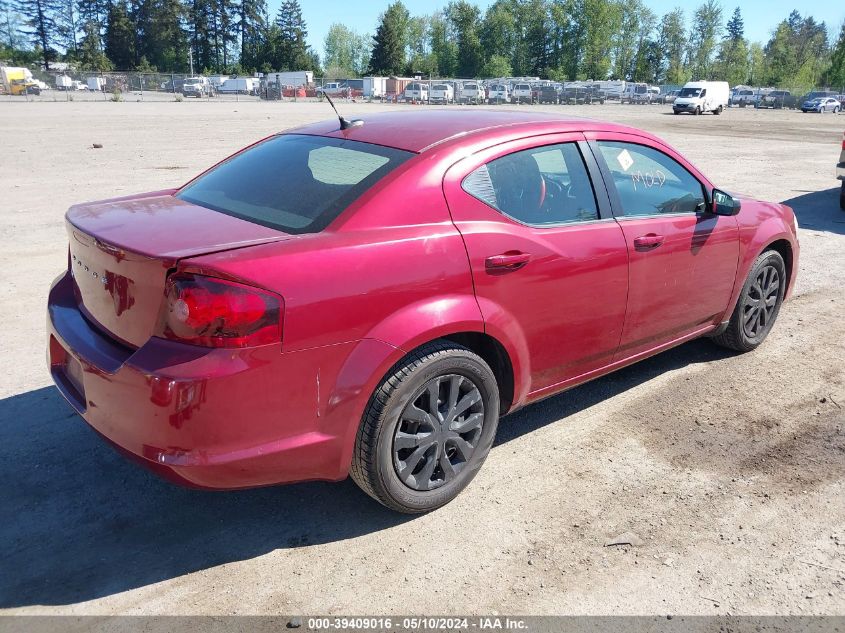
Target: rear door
[548,260]
[683,259]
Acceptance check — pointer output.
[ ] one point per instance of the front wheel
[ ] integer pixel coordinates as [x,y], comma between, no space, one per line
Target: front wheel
[758,304]
[697,110]
[427,429]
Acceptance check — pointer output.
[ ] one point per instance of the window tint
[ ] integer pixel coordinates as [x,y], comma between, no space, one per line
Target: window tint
[650,182]
[545,185]
[294,183]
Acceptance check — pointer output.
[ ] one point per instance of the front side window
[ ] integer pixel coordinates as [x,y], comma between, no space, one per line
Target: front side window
[291,182]
[541,186]
[649,182]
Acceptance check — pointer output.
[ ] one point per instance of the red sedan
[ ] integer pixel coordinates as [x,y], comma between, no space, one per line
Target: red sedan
[368,299]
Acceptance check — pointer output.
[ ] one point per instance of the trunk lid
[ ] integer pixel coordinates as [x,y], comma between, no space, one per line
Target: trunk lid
[122,249]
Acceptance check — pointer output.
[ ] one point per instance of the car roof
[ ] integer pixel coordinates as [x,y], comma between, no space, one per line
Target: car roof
[421,129]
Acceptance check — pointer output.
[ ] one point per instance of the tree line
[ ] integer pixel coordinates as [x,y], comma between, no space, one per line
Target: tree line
[554,39]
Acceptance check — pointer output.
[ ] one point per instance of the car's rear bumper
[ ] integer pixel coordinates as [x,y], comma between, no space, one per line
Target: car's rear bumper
[209,418]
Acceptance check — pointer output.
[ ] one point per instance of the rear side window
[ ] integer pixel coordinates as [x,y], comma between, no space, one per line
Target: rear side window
[293,183]
[541,186]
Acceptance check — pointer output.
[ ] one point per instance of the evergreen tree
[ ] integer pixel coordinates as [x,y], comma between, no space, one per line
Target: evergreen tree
[9,27]
[120,36]
[736,26]
[95,11]
[388,57]
[732,60]
[40,25]
[252,24]
[67,26]
[290,48]
[201,24]
[90,52]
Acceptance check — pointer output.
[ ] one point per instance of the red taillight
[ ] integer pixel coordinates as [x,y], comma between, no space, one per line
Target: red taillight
[218,313]
[843,141]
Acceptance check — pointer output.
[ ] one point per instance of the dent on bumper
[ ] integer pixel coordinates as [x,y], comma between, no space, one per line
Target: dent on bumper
[209,418]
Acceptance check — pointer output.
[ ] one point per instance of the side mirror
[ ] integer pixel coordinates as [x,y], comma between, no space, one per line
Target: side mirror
[724,203]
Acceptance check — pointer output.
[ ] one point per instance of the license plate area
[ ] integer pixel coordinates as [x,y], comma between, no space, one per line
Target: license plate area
[68,373]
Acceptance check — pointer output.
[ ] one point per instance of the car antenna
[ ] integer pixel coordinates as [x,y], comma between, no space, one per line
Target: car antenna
[344,123]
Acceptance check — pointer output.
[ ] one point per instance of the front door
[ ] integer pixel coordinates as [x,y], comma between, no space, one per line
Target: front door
[549,262]
[683,259]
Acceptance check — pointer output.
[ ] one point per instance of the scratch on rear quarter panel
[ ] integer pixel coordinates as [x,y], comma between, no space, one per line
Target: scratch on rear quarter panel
[318,392]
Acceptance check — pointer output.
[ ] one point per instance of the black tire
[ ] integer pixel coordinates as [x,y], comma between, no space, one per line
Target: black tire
[718,110]
[697,110]
[377,461]
[745,330]
[842,196]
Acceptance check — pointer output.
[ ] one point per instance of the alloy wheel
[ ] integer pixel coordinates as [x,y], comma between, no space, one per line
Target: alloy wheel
[760,302]
[438,431]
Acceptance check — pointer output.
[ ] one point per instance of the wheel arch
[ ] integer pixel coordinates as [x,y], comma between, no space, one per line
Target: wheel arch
[784,248]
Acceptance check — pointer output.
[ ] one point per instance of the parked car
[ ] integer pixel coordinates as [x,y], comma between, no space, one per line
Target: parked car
[744,98]
[778,99]
[670,96]
[574,94]
[652,95]
[472,92]
[233,333]
[821,104]
[499,93]
[442,93]
[333,89]
[840,174]
[416,91]
[549,93]
[697,97]
[522,93]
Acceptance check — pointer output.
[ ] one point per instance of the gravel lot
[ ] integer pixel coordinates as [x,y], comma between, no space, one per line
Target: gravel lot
[731,469]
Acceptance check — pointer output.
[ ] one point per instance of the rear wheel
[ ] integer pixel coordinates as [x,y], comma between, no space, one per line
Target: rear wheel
[718,110]
[758,304]
[427,429]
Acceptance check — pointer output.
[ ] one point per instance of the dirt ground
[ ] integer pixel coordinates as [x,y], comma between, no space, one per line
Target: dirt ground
[730,468]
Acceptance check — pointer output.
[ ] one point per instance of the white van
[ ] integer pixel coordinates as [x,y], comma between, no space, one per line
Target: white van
[697,97]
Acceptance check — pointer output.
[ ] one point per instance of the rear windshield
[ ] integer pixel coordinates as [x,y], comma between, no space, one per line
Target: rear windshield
[292,182]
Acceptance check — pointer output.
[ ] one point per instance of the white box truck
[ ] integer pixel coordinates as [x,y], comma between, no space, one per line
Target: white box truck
[375,87]
[295,78]
[96,84]
[63,82]
[238,85]
[698,97]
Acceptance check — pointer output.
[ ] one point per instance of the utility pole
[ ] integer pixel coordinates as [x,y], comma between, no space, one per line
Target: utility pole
[191,59]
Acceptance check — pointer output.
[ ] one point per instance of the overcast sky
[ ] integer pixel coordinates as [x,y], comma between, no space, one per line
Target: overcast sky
[761,16]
